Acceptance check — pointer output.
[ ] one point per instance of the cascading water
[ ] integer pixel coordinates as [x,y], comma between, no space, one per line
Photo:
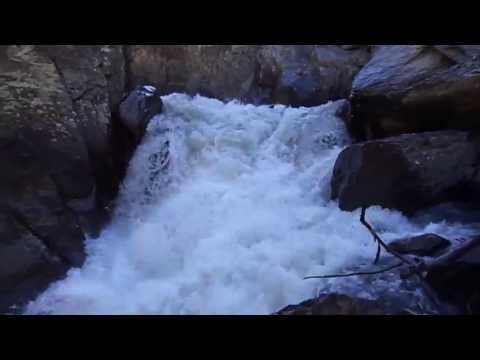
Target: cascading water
[224,210]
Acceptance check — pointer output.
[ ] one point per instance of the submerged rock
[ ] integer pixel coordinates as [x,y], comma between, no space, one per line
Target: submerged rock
[408,172]
[422,245]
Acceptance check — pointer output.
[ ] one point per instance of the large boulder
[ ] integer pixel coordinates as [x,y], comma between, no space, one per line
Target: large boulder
[56,148]
[414,88]
[294,75]
[407,172]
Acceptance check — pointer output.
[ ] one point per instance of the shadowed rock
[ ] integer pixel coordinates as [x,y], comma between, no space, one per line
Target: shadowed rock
[143,103]
[408,172]
[339,304]
[422,245]
[297,75]
[55,146]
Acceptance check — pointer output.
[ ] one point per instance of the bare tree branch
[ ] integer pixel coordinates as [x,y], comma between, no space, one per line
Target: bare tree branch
[379,241]
[355,273]
[416,266]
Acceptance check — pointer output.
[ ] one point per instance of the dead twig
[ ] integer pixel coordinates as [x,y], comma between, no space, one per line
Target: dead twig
[379,241]
[355,273]
[416,267]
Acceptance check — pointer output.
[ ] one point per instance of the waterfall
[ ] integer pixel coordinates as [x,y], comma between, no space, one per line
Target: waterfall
[224,210]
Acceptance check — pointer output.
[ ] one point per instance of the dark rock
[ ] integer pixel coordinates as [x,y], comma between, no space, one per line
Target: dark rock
[143,103]
[28,263]
[415,88]
[130,121]
[407,172]
[294,75]
[307,75]
[55,146]
[422,245]
[339,304]
[457,281]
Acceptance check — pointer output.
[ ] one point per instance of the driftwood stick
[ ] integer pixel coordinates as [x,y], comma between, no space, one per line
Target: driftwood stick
[355,273]
[416,266]
[380,241]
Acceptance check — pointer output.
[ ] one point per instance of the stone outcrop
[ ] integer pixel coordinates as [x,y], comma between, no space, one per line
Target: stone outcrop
[415,88]
[56,148]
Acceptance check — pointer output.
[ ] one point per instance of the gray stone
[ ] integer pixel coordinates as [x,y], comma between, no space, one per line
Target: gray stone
[422,245]
[297,75]
[414,88]
[143,103]
[407,172]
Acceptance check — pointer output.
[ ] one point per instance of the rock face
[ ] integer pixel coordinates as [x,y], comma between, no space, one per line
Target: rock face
[295,75]
[422,245]
[407,172]
[415,88]
[339,304]
[56,149]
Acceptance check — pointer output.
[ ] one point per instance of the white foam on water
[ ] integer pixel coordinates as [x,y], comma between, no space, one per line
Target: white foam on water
[224,210]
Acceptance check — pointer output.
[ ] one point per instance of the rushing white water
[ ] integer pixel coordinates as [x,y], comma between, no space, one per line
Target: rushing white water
[224,210]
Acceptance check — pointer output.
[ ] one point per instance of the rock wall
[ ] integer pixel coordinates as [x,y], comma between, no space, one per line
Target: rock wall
[297,75]
[56,148]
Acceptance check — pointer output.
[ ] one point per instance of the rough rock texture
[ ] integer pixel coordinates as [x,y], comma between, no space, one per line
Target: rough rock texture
[143,103]
[414,88]
[130,122]
[457,281]
[339,304]
[407,172]
[422,245]
[56,149]
[288,74]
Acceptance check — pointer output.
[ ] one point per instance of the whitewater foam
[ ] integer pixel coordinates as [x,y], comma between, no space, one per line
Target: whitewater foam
[224,210]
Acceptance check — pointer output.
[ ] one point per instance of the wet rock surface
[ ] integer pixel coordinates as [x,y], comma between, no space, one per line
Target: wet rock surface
[422,245]
[138,108]
[407,172]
